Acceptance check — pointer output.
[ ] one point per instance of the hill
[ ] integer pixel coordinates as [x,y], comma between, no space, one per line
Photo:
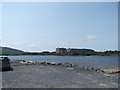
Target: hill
[9,51]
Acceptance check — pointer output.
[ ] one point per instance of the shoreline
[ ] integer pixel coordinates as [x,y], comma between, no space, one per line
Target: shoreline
[67,64]
[59,55]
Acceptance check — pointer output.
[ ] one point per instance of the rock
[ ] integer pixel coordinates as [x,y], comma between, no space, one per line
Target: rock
[59,64]
[67,64]
[91,68]
[29,62]
[95,69]
[98,70]
[75,65]
[85,67]
[111,71]
[21,62]
[53,63]
[48,63]
[43,63]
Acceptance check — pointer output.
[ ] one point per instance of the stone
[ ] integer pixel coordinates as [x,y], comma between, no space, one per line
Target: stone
[59,64]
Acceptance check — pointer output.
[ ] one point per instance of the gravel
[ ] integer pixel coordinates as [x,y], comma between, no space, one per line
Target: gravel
[41,76]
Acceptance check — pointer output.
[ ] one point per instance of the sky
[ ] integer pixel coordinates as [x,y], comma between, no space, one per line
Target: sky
[44,26]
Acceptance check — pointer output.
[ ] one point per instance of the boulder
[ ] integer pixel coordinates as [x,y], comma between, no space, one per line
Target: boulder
[111,71]
[53,63]
[59,64]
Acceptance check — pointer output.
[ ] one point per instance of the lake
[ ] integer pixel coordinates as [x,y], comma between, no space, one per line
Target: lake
[92,61]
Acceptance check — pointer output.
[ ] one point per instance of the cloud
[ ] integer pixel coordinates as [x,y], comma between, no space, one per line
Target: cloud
[91,37]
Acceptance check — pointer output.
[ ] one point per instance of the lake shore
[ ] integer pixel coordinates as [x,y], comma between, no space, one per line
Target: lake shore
[67,64]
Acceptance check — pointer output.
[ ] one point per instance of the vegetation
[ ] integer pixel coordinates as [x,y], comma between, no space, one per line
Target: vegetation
[10,51]
[90,53]
[108,53]
[39,53]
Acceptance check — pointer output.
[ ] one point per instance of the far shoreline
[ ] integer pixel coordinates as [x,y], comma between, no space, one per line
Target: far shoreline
[58,55]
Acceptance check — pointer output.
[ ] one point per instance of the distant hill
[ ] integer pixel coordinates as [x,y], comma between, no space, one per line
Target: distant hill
[9,51]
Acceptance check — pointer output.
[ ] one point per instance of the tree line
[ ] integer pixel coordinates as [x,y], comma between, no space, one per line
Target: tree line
[81,53]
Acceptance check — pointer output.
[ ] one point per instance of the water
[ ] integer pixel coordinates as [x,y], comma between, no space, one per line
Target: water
[92,61]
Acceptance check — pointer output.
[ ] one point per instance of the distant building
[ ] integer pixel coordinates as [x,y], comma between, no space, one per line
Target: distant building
[73,50]
[61,50]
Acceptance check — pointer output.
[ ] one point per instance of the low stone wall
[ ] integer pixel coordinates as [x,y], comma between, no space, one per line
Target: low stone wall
[66,64]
